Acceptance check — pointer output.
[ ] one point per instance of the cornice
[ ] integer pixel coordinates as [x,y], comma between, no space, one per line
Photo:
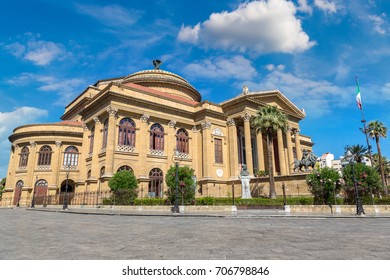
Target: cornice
[17,136]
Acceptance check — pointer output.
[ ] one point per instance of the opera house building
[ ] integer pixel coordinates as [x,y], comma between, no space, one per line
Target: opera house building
[145,122]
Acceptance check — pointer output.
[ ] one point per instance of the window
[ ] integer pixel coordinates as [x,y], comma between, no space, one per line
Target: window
[105,133]
[23,157]
[218,150]
[125,167]
[91,140]
[182,141]
[126,132]
[71,156]
[44,155]
[156,182]
[157,137]
[102,171]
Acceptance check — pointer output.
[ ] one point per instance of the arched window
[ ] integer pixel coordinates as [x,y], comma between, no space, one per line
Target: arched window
[91,140]
[24,157]
[126,132]
[125,167]
[182,141]
[45,155]
[105,133]
[157,137]
[71,156]
[18,192]
[156,182]
[102,171]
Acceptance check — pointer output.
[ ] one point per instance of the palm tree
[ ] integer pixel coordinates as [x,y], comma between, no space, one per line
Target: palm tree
[270,119]
[359,151]
[376,130]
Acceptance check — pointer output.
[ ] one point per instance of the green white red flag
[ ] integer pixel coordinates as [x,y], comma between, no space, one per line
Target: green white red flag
[358,97]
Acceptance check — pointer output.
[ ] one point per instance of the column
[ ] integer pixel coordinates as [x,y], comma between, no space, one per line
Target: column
[298,144]
[13,158]
[206,148]
[110,149]
[97,146]
[55,164]
[233,149]
[248,144]
[171,143]
[144,145]
[30,180]
[282,158]
[85,154]
[289,151]
[260,150]
[194,147]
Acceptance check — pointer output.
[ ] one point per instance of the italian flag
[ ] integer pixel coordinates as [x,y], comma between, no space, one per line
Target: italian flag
[358,97]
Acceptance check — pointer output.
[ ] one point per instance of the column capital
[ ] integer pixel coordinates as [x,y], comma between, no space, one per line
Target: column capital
[296,130]
[194,129]
[33,144]
[145,118]
[246,117]
[231,122]
[206,125]
[58,143]
[172,123]
[85,126]
[96,120]
[111,111]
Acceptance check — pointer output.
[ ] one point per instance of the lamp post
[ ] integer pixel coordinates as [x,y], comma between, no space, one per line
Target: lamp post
[33,198]
[175,208]
[359,206]
[65,206]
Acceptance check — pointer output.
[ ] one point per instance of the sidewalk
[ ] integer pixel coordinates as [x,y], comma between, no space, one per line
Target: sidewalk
[199,212]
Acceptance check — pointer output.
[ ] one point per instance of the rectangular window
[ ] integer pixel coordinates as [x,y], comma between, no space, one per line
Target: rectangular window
[218,150]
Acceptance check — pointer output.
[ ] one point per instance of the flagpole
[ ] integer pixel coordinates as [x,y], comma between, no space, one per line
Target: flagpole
[365,133]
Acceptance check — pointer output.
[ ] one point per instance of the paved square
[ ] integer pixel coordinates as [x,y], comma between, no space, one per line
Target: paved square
[46,235]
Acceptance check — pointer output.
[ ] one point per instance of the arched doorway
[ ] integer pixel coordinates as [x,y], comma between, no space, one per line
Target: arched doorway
[69,193]
[18,192]
[156,183]
[40,192]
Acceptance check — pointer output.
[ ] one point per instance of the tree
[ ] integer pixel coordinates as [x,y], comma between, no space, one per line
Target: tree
[2,187]
[367,179]
[386,165]
[376,130]
[359,151]
[270,119]
[124,187]
[186,184]
[324,184]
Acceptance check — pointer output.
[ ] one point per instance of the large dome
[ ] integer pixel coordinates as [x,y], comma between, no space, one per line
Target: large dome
[164,81]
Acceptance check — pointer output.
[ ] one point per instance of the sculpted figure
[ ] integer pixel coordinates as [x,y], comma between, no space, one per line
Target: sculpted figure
[245,178]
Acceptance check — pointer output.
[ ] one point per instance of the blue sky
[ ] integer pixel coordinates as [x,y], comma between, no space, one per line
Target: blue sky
[311,50]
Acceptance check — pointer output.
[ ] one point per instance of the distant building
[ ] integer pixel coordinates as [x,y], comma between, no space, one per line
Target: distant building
[326,160]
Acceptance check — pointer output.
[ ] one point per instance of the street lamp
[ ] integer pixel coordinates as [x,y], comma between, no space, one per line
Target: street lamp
[65,206]
[359,207]
[175,208]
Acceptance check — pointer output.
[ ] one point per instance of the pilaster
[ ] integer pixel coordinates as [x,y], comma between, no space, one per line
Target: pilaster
[233,149]
[248,143]
[97,148]
[206,148]
[289,151]
[298,144]
[144,145]
[260,150]
[282,158]
[110,149]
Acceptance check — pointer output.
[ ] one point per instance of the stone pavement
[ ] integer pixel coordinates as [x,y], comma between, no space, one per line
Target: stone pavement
[94,234]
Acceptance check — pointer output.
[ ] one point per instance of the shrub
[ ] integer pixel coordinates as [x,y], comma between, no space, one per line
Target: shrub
[124,188]
[324,184]
[186,186]
[367,181]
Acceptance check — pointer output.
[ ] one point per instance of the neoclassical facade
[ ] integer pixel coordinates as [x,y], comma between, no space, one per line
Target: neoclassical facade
[144,122]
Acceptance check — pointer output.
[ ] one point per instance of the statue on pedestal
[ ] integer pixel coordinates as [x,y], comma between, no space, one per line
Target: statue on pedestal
[245,178]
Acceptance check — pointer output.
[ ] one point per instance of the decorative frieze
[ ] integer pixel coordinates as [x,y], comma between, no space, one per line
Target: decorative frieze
[182,155]
[217,132]
[124,148]
[157,152]
[44,167]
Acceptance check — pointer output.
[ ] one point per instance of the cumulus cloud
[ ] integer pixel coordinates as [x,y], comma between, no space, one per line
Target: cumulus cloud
[326,6]
[37,51]
[304,7]
[236,67]
[258,26]
[110,15]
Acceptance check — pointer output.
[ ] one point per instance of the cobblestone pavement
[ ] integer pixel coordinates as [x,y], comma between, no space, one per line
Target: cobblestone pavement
[43,235]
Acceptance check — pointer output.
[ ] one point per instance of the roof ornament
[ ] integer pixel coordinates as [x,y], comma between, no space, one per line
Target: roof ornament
[157,64]
[245,90]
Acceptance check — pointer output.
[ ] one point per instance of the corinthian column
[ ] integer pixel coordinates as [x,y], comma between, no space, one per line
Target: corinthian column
[144,145]
[110,149]
[298,144]
[282,158]
[207,155]
[233,149]
[248,143]
[289,151]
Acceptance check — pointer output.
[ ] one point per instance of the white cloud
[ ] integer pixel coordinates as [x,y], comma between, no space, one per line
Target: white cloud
[304,7]
[10,120]
[236,67]
[36,51]
[110,15]
[380,24]
[326,6]
[257,26]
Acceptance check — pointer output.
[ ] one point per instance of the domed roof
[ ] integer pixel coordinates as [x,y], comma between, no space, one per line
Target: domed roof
[164,81]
